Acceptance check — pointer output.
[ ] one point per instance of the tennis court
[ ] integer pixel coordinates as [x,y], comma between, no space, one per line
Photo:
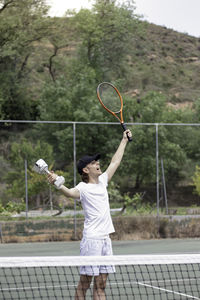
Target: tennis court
[165,246]
[150,269]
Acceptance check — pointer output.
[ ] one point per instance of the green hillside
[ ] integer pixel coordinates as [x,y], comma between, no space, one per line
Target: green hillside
[158,59]
[49,70]
[166,61]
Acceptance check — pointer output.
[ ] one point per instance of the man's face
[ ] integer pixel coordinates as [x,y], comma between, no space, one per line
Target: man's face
[93,168]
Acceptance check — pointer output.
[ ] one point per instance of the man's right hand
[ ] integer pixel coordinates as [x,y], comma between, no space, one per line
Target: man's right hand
[52,177]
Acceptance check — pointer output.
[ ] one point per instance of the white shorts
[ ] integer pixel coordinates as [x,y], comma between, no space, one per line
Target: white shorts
[96,247]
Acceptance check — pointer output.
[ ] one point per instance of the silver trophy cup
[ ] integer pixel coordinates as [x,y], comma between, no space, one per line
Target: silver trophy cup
[41,167]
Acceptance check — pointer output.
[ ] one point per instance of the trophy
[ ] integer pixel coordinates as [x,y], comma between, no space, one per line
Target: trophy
[41,167]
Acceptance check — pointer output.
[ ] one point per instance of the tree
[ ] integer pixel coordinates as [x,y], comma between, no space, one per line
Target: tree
[15,177]
[22,23]
[106,34]
[142,166]
[103,34]
[62,38]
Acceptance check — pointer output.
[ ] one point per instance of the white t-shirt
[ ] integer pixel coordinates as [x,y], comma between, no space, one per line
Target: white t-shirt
[95,203]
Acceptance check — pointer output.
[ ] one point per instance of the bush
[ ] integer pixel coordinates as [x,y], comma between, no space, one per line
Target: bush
[196,180]
[115,196]
[1,208]
[12,206]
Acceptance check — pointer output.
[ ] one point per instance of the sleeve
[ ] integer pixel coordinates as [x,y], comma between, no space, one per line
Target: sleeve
[79,187]
[104,179]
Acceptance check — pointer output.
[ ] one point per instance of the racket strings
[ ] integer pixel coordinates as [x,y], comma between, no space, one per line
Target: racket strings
[110,98]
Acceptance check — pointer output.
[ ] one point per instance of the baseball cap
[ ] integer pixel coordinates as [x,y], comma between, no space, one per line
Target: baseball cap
[85,160]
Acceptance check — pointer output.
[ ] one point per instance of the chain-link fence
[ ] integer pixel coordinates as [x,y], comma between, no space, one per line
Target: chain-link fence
[160,163]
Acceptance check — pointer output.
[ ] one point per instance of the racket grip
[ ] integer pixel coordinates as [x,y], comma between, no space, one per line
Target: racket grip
[124,128]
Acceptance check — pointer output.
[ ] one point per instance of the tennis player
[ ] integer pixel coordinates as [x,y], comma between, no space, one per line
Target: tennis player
[92,192]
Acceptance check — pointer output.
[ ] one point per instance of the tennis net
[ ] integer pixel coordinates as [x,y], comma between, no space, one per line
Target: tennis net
[135,277]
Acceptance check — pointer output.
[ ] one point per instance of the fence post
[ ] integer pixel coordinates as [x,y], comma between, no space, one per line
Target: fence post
[157,171]
[164,186]
[26,187]
[51,200]
[1,234]
[74,151]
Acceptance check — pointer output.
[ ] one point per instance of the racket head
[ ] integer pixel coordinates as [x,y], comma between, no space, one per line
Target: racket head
[111,99]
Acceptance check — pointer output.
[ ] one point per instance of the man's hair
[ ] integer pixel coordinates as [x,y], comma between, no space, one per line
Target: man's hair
[85,177]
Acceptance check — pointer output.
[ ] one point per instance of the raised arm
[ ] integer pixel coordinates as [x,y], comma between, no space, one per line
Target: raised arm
[117,157]
[71,193]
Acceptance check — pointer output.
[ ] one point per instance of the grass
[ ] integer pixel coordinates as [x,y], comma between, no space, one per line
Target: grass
[143,210]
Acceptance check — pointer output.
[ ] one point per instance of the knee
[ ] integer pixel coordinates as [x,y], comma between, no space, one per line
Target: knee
[100,282]
[84,283]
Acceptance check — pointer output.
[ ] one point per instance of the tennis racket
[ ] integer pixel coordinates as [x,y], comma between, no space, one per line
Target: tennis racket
[111,100]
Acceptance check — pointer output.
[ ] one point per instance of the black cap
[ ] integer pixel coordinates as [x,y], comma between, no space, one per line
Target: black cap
[85,160]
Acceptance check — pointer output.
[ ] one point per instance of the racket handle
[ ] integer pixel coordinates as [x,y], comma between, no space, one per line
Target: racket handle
[124,128]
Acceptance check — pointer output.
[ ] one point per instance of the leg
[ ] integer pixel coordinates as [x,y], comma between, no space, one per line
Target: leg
[99,287]
[83,286]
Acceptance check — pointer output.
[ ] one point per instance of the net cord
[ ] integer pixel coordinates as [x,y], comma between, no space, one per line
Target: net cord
[42,261]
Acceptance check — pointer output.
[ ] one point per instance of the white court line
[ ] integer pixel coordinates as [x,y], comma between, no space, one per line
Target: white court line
[36,287]
[158,288]
[168,291]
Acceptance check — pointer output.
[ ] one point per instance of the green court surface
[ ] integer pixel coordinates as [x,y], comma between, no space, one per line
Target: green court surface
[128,282]
[119,247]
[175,282]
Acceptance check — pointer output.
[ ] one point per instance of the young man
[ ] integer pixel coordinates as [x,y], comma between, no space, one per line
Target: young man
[92,192]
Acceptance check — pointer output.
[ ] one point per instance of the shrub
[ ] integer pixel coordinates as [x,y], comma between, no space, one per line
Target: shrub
[12,206]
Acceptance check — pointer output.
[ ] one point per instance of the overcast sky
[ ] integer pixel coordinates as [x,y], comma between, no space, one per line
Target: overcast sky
[180,15]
